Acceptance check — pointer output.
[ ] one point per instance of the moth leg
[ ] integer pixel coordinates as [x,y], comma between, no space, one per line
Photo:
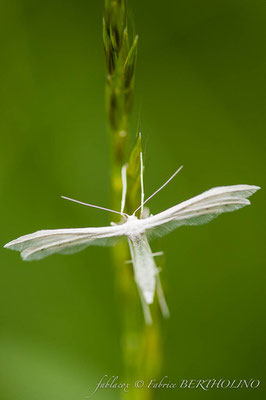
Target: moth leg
[145,307]
[124,187]
[158,253]
[161,298]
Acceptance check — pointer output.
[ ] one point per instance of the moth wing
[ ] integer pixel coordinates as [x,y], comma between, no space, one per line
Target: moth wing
[200,209]
[40,244]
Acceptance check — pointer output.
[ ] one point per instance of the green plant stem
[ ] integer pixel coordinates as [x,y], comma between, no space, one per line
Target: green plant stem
[141,344]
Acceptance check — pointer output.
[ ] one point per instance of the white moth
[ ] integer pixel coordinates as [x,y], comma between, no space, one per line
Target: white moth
[195,211]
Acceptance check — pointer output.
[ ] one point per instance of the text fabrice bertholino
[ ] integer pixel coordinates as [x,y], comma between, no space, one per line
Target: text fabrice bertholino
[114,382]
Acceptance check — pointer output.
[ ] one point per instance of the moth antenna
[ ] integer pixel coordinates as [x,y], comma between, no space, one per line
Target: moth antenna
[124,186]
[160,188]
[92,205]
[141,181]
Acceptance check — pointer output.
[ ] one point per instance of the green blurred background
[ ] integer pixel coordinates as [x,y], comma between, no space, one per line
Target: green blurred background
[200,92]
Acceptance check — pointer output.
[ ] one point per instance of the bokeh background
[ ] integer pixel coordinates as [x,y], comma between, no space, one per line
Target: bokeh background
[200,94]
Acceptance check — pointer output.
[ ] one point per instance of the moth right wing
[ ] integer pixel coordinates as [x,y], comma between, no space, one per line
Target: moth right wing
[40,244]
[199,209]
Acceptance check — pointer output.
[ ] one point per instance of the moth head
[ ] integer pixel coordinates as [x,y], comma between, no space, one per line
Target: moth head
[131,217]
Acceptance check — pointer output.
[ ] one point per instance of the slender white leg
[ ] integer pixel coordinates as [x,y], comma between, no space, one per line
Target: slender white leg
[159,253]
[161,298]
[124,187]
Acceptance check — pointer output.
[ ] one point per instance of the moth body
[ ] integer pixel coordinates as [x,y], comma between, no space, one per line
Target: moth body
[145,269]
[134,228]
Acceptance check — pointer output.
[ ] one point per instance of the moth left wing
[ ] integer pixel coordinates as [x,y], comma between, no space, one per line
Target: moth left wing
[40,244]
[200,209]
